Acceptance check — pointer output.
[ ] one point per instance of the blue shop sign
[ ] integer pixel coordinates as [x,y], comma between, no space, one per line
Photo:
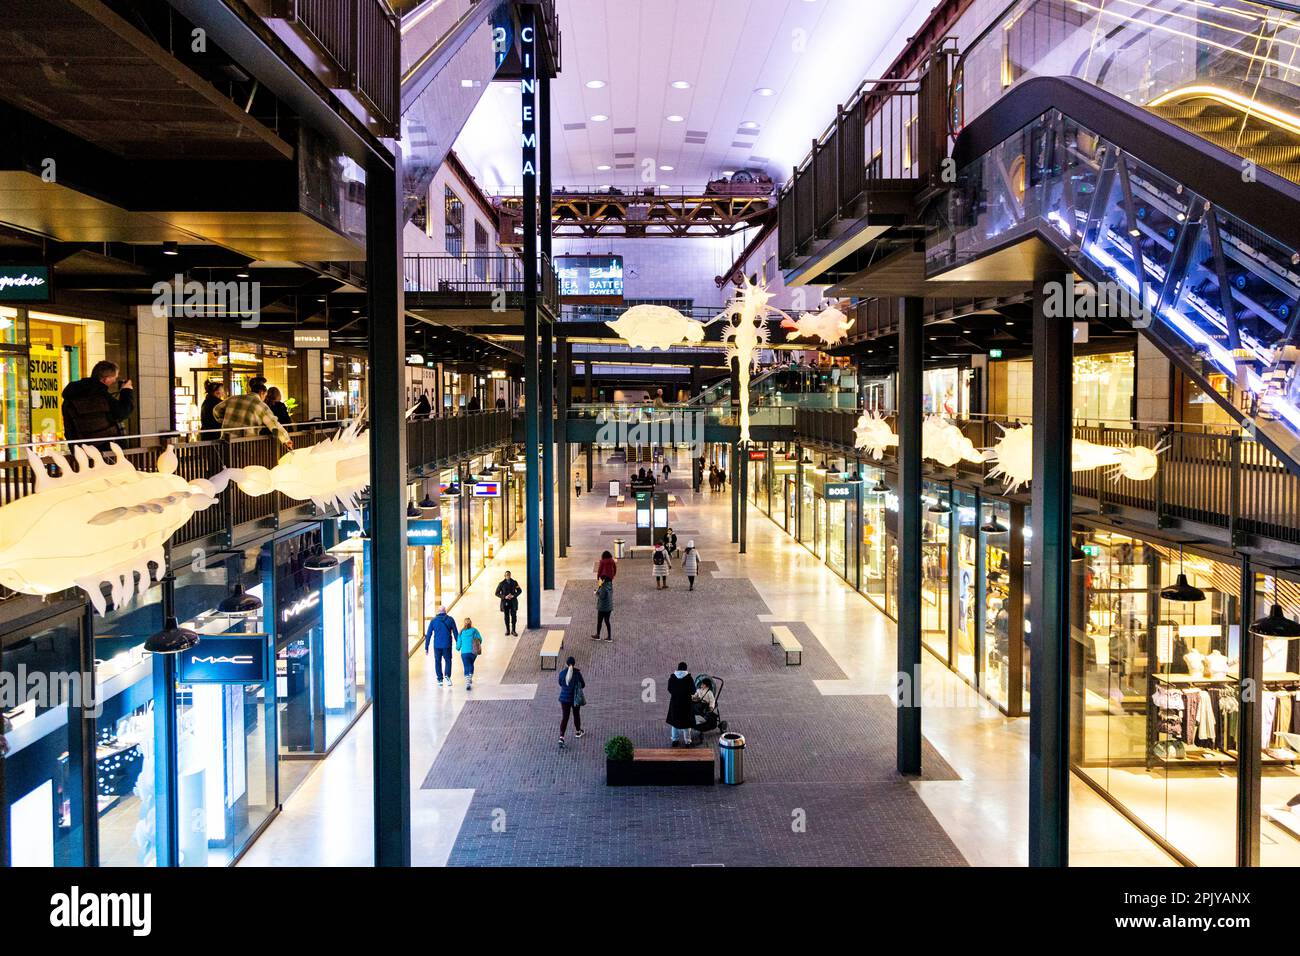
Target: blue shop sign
[224,659]
[425,532]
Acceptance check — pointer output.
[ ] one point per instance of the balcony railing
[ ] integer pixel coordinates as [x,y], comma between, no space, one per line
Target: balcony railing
[360,40]
[465,278]
[1217,479]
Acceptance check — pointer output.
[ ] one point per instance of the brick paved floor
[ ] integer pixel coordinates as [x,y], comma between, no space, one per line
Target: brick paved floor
[820,787]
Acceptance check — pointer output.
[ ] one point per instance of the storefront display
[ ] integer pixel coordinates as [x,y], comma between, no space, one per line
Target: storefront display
[343,377]
[936,553]
[200,357]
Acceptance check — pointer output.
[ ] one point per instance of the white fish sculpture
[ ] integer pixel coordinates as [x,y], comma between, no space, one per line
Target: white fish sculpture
[1014,454]
[103,523]
[334,471]
[942,441]
[872,433]
[656,327]
[830,325]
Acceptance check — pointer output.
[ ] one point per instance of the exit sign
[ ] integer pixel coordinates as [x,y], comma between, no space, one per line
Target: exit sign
[1091,550]
[995,353]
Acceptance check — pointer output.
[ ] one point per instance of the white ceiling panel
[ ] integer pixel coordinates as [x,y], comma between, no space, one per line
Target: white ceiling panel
[810,53]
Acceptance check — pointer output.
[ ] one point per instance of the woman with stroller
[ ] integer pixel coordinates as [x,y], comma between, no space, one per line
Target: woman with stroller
[681,708]
[571,698]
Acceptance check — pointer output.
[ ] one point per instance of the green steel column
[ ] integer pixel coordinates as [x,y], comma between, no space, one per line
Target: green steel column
[532,490]
[909,534]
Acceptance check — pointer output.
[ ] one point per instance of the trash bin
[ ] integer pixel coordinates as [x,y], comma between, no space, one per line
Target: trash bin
[731,757]
[619,544]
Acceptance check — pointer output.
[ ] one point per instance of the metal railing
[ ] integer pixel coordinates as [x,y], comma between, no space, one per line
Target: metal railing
[434,442]
[360,40]
[1220,480]
[476,274]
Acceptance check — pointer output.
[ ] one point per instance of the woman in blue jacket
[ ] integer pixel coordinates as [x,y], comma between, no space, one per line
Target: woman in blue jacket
[469,644]
[571,698]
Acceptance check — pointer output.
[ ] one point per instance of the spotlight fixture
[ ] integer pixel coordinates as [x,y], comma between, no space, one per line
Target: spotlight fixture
[172,639]
[765,91]
[681,85]
[595,84]
[1182,590]
[169,248]
[675,118]
[599,118]
[239,601]
[321,561]
[993,525]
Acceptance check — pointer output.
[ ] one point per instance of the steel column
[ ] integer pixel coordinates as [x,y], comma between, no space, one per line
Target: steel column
[547,397]
[1049,582]
[910,385]
[563,365]
[735,484]
[1250,674]
[742,491]
[387,606]
[532,489]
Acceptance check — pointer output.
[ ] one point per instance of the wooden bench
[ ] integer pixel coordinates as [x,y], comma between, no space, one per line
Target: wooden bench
[672,499]
[789,643]
[622,499]
[551,649]
[663,767]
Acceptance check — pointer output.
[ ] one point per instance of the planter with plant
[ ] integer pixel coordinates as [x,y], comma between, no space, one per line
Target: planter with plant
[618,761]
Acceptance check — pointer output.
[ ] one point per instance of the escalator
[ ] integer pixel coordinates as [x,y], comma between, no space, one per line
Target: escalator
[1161,168]
[451,50]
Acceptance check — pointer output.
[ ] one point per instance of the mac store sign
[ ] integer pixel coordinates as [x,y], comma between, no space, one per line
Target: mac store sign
[226,659]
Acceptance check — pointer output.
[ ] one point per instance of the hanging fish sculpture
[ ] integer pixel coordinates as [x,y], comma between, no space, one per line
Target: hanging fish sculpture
[942,441]
[872,433]
[830,325]
[1014,455]
[656,327]
[102,523]
[747,332]
[334,471]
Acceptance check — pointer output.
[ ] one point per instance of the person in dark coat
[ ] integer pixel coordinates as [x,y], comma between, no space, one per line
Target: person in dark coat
[422,406]
[214,395]
[90,410]
[681,714]
[508,592]
[608,567]
[604,608]
[275,402]
[474,405]
[571,698]
[443,633]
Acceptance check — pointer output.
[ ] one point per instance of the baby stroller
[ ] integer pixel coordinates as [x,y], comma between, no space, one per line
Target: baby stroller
[706,718]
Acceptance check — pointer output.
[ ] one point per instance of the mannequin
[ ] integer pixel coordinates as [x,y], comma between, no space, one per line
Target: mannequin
[1195,662]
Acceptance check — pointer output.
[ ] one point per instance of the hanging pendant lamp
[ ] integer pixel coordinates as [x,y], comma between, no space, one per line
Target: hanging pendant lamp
[1275,623]
[321,561]
[1182,590]
[880,488]
[940,507]
[993,525]
[172,639]
[239,601]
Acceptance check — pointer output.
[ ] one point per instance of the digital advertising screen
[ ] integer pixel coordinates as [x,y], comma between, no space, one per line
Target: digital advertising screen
[590,276]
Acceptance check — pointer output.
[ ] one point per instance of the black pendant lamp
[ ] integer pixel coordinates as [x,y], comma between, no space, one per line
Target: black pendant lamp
[172,639]
[239,601]
[321,561]
[993,525]
[880,488]
[412,511]
[940,507]
[1275,623]
[1182,590]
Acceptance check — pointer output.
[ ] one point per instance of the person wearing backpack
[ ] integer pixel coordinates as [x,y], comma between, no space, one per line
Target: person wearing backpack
[661,563]
[690,564]
[604,608]
[469,642]
[572,697]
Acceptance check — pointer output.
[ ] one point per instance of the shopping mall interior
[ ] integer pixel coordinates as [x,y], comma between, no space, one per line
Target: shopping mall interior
[922,376]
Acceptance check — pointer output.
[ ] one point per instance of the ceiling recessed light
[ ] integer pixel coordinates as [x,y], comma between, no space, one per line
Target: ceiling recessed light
[595,84]
[603,167]
[599,118]
[681,85]
[666,169]
[749,124]
[675,118]
[765,91]
[728,172]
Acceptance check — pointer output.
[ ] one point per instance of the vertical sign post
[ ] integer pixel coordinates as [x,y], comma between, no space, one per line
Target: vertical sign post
[528,136]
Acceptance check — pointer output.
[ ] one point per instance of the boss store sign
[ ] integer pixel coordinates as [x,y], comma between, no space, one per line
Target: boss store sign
[226,659]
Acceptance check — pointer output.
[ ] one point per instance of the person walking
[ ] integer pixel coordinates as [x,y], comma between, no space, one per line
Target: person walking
[668,470]
[661,564]
[690,564]
[507,593]
[604,608]
[90,410]
[442,632]
[670,542]
[608,567]
[572,697]
[577,485]
[681,715]
[469,643]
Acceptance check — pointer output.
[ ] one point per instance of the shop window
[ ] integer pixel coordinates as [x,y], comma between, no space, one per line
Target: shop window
[454,223]
[936,544]
[61,349]
[1280,725]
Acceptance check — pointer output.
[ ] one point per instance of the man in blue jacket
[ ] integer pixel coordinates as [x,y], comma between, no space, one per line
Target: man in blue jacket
[442,631]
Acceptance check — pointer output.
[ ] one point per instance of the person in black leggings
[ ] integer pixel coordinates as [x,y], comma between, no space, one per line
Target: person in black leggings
[571,698]
[604,608]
